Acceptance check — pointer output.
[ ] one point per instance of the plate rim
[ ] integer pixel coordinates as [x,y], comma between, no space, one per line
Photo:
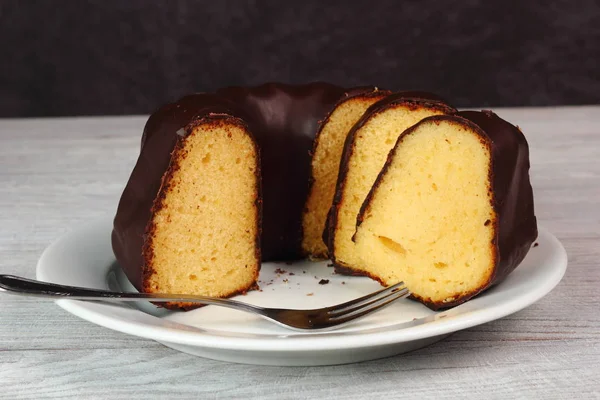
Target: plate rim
[296,342]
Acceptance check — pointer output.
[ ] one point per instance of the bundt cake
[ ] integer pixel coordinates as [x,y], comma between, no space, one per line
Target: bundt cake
[279,172]
[365,150]
[451,213]
[325,163]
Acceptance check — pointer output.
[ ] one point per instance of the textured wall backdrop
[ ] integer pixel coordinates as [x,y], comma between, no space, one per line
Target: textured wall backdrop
[73,57]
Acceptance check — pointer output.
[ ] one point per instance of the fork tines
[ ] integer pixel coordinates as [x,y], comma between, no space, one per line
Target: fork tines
[368,303]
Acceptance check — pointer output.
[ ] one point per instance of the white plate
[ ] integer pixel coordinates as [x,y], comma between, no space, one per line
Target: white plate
[84,257]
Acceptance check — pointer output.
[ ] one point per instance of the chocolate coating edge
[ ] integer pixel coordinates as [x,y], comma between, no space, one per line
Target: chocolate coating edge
[135,205]
[513,194]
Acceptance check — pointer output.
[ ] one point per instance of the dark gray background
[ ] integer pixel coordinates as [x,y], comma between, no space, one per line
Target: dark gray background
[75,57]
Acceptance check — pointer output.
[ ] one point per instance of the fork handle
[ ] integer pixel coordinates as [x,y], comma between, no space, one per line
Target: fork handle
[29,287]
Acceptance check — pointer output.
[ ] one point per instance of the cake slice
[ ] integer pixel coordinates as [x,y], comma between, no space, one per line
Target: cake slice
[365,151]
[451,213]
[203,237]
[327,152]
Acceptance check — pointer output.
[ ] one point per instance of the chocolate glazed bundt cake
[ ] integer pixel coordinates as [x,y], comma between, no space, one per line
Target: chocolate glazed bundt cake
[210,165]
[451,213]
[280,172]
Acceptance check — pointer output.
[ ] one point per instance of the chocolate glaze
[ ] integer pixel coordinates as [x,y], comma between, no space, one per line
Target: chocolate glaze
[512,196]
[283,119]
[413,99]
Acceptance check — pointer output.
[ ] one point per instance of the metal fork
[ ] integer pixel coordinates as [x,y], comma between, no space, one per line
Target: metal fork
[315,319]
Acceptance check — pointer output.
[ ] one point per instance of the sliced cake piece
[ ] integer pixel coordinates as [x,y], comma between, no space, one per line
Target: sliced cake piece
[327,152]
[204,234]
[451,213]
[365,151]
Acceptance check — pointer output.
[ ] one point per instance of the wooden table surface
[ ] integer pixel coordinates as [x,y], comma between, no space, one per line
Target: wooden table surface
[56,174]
